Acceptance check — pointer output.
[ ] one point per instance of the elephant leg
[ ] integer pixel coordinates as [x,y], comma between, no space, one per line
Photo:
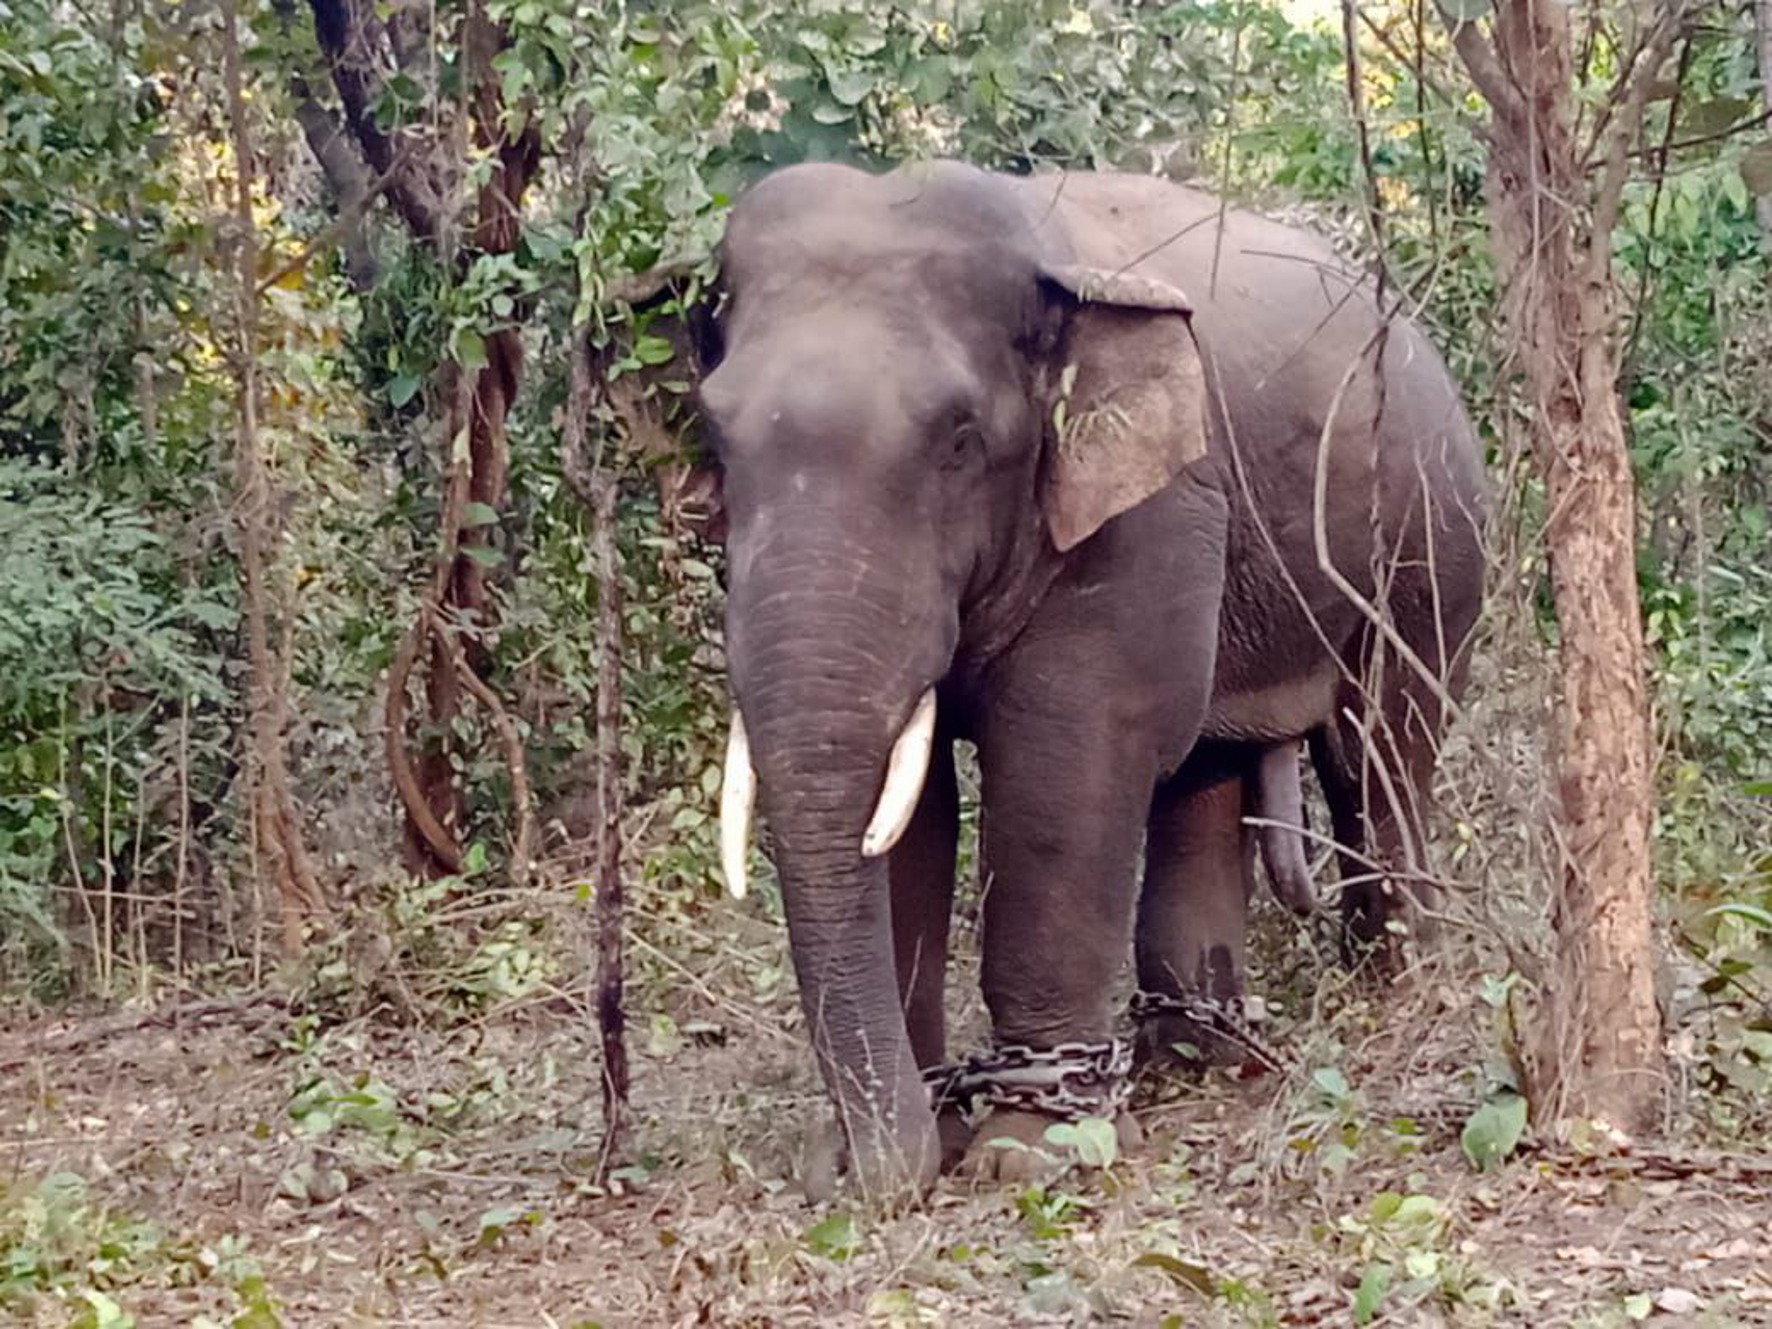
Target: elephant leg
[1063,807]
[1074,724]
[922,873]
[1194,909]
[921,869]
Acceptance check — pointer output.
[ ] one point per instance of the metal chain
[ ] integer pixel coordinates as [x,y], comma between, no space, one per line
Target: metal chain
[1069,1081]
[1076,1080]
[1221,1018]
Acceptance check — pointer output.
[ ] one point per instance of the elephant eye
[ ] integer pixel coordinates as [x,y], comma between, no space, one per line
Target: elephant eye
[960,437]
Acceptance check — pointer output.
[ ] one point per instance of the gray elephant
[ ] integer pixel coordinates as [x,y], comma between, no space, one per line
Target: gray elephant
[1108,481]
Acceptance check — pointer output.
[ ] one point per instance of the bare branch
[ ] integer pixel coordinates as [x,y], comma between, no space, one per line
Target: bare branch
[345,30]
[1477,53]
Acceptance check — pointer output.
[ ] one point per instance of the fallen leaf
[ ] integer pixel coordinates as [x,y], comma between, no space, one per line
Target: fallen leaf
[1678,1301]
[1181,1271]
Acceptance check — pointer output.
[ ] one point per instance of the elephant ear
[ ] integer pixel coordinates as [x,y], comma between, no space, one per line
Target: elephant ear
[1129,409]
[662,419]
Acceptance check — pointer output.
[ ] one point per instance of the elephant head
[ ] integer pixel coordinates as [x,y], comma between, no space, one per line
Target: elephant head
[922,402]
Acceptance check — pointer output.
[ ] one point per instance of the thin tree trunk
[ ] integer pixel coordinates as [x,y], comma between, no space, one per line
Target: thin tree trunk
[1763,43]
[594,480]
[276,823]
[1552,243]
[611,1014]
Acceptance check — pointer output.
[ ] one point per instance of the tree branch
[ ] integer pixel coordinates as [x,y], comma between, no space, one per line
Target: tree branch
[343,30]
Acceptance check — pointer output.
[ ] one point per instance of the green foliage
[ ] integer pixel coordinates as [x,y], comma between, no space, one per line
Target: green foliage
[59,1243]
[111,659]
[86,231]
[54,1236]
[836,1238]
[1493,1132]
[1049,1214]
[1402,1244]
[1093,1140]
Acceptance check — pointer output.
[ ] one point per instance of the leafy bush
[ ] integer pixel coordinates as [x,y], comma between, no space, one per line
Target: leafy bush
[110,651]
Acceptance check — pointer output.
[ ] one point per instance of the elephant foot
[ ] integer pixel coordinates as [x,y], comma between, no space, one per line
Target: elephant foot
[893,1171]
[820,1163]
[1010,1145]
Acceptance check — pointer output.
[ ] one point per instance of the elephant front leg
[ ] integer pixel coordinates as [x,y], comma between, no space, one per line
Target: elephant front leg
[922,873]
[1108,683]
[1063,807]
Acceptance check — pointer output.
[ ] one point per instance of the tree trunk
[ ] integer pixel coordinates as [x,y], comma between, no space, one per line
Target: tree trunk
[1552,237]
[421,170]
[276,825]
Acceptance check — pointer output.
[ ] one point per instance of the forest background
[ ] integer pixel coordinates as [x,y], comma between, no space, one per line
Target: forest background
[339,476]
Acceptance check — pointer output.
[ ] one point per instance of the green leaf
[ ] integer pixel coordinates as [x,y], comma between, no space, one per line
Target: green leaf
[402,388]
[836,1238]
[476,514]
[470,349]
[649,350]
[932,77]
[1375,1283]
[1759,788]
[494,1222]
[485,557]
[1093,1138]
[1180,1272]
[103,1313]
[1747,913]
[1493,1131]
[260,1310]
[850,86]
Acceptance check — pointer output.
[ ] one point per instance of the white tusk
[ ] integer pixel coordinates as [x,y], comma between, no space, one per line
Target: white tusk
[905,774]
[738,794]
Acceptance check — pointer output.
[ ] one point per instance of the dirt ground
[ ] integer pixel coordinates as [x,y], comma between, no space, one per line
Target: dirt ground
[229,1162]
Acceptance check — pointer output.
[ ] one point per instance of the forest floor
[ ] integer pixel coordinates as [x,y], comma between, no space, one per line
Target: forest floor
[228,1162]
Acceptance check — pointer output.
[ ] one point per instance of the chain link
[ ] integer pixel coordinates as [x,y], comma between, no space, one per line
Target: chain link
[1220,1018]
[1070,1081]
[1076,1080]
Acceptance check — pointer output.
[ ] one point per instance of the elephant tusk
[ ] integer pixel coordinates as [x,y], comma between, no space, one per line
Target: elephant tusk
[905,773]
[738,795]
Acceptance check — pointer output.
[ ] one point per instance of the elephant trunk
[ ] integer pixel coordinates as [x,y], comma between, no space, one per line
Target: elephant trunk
[825,709]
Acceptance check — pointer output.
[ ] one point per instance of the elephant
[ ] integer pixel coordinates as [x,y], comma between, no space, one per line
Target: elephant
[1134,491]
